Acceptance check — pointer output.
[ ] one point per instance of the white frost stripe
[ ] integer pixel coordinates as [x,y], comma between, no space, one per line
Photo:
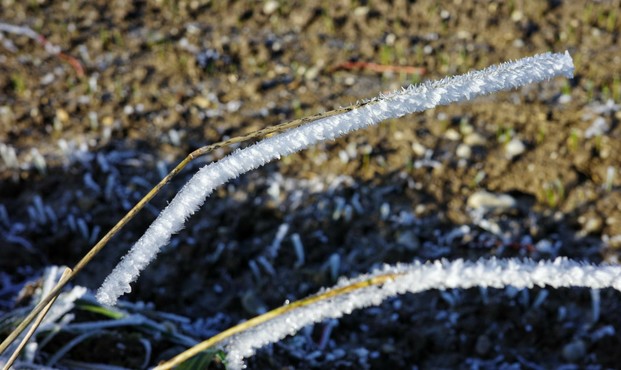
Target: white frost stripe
[419,277]
[412,99]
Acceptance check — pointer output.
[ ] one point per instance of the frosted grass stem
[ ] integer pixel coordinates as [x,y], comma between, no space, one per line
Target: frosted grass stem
[409,100]
[371,289]
[418,277]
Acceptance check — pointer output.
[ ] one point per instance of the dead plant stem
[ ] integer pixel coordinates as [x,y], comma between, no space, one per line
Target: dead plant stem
[129,215]
[34,326]
[258,320]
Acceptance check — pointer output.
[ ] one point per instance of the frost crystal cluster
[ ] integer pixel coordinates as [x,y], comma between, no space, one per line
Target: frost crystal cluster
[410,100]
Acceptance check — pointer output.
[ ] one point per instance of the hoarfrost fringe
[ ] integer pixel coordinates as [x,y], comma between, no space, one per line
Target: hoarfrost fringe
[412,99]
[417,277]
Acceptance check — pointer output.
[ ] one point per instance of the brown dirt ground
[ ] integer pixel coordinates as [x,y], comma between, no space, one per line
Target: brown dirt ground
[165,77]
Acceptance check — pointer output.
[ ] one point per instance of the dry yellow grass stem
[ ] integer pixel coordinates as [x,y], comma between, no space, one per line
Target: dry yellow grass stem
[106,238]
[34,326]
[256,321]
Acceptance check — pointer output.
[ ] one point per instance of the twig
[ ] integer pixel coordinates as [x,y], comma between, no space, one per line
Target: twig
[48,46]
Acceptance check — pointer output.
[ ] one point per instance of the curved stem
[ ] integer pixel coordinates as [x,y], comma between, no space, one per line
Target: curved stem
[258,320]
[129,215]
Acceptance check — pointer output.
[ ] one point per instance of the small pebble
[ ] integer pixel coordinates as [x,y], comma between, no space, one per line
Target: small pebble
[483,345]
[514,148]
[201,102]
[452,134]
[270,7]
[474,138]
[107,121]
[361,11]
[591,224]
[62,115]
[574,351]
[48,79]
[311,73]
[418,149]
[409,240]
[599,127]
[463,151]
[564,99]
[487,200]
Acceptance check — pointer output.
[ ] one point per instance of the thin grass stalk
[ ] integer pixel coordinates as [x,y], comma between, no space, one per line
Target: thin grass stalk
[147,198]
[88,257]
[258,320]
[241,341]
[34,327]
[414,98]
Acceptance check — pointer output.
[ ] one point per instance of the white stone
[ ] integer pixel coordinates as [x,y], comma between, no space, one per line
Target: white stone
[452,134]
[489,201]
[419,149]
[463,151]
[474,138]
[514,148]
[270,7]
